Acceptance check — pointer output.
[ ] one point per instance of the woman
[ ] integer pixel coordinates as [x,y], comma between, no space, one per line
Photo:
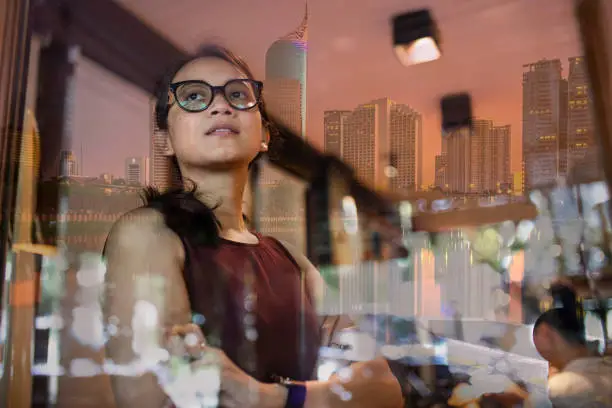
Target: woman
[189,251]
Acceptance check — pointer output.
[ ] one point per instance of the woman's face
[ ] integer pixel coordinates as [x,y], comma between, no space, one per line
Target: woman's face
[193,138]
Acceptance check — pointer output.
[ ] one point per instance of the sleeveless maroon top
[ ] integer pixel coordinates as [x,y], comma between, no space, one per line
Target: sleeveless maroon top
[252,302]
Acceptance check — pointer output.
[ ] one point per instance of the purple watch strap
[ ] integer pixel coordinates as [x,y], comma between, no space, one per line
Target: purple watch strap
[296,395]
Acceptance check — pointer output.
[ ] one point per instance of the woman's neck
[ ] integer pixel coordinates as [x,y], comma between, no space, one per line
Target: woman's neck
[223,192]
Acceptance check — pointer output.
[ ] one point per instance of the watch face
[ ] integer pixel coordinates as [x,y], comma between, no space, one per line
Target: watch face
[296,396]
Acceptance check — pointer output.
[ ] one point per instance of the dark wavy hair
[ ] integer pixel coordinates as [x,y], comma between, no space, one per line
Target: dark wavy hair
[187,216]
[567,315]
[564,322]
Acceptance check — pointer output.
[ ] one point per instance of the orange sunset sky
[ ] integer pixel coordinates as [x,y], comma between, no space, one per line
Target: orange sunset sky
[350,61]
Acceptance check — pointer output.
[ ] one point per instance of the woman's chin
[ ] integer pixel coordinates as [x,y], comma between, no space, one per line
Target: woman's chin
[225,163]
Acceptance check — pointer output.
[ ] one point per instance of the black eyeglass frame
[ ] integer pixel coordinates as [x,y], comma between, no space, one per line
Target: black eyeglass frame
[257,88]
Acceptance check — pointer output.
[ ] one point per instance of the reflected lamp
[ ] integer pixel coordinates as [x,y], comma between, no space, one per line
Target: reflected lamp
[456,112]
[416,38]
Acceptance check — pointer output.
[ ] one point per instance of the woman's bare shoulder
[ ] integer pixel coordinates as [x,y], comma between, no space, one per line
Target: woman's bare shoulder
[142,231]
[138,223]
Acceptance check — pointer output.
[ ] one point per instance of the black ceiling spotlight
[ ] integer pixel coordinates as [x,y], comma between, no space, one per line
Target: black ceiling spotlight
[456,112]
[416,38]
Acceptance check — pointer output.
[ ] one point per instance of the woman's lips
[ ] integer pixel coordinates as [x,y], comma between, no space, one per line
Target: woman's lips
[223,128]
[222,132]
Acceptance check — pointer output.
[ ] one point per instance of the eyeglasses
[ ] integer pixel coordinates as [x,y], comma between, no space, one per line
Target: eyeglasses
[196,96]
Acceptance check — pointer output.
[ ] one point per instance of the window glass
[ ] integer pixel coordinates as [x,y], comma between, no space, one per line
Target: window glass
[497,211]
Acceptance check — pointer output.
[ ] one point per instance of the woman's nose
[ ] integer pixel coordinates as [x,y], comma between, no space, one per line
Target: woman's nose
[220,106]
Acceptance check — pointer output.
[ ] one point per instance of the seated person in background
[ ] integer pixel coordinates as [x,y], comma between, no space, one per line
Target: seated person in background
[579,378]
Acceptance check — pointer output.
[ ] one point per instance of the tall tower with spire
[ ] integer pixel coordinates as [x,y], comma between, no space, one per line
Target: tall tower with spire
[285,95]
[286,72]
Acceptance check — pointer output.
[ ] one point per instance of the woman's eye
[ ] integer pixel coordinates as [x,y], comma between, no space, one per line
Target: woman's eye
[194,96]
[238,95]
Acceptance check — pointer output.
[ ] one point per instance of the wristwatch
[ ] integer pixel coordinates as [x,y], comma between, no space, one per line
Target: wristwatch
[296,393]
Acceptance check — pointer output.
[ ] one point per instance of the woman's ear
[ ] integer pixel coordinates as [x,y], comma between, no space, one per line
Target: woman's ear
[265,138]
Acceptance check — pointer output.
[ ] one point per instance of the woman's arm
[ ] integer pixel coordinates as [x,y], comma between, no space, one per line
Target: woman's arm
[371,383]
[145,293]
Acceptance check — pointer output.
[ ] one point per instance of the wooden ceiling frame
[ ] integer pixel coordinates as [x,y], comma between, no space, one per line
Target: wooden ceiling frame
[109,35]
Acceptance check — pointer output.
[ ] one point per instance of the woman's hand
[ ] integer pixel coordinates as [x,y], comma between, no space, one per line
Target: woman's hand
[237,388]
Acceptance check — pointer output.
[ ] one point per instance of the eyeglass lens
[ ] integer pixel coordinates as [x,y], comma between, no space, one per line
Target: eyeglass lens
[197,96]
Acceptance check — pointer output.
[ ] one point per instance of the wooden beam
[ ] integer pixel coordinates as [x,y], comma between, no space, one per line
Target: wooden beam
[109,35]
[594,35]
[16,383]
[474,217]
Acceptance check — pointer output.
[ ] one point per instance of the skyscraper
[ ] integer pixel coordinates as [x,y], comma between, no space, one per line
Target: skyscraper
[544,122]
[517,183]
[137,170]
[363,142]
[501,173]
[405,148]
[286,71]
[282,212]
[334,126]
[441,165]
[382,140]
[68,164]
[479,161]
[458,161]
[580,129]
